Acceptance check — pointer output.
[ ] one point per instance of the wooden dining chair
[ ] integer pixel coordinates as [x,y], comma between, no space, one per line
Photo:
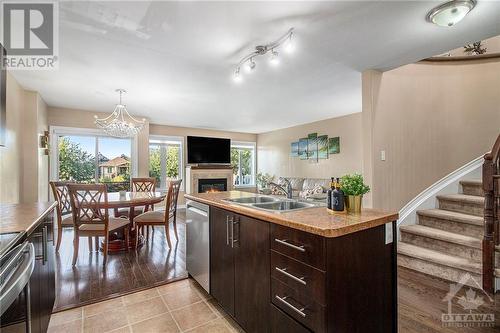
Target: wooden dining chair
[64,211]
[153,218]
[145,184]
[91,217]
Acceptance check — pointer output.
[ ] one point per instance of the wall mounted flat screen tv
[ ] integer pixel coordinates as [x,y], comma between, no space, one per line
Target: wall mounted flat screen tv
[201,150]
[3,97]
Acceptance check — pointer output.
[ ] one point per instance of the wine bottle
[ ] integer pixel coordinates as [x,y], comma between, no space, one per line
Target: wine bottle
[337,197]
[329,194]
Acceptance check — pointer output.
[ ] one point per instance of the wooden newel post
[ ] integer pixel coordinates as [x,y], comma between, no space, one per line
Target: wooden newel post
[489,168]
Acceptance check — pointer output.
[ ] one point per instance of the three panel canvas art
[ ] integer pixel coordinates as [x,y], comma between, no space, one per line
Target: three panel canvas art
[315,147]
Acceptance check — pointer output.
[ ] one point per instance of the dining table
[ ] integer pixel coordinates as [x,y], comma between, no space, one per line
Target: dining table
[130,200]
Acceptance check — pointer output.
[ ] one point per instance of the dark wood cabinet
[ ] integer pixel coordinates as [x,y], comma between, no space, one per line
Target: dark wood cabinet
[239,268]
[272,278]
[221,260]
[281,322]
[252,273]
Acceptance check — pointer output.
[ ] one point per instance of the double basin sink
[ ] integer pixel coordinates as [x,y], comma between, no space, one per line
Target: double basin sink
[272,204]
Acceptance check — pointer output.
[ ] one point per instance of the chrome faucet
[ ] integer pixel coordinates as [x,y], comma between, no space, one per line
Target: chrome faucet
[288,189]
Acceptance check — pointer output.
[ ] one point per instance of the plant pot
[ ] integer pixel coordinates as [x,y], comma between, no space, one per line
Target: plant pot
[353,203]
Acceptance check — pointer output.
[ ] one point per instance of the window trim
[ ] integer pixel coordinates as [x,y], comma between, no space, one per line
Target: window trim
[56,131]
[164,140]
[248,145]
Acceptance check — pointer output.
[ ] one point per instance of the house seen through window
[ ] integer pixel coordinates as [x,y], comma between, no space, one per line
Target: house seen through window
[95,159]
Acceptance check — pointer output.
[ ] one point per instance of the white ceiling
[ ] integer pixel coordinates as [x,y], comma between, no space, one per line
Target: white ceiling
[176,58]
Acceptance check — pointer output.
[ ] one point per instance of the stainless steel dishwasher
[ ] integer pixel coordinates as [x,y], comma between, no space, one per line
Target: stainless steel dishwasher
[198,242]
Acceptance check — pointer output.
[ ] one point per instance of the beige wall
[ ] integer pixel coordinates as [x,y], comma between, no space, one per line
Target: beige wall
[35,163]
[274,149]
[430,118]
[29,151]
[43,160]
[10,161]
[23,166]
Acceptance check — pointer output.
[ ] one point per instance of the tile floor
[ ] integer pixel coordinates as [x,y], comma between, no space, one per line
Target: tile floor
[181,306]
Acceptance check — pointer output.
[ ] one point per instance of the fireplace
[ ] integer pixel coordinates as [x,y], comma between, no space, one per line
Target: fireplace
[212,185]
[214,178]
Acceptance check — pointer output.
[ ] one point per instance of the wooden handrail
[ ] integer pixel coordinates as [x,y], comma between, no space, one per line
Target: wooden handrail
[491,187]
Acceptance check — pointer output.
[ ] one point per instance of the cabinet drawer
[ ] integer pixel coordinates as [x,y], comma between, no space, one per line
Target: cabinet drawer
[302,246]
[304,279]
[281,322]
[299,307]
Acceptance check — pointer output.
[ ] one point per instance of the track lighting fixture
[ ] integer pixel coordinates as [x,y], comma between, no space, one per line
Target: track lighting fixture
[285,42]
[250,65]
[274,60]
[237,75]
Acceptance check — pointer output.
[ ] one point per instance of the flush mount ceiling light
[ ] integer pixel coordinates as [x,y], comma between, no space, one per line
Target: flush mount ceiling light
[450,13]
[248,63]
[120,123]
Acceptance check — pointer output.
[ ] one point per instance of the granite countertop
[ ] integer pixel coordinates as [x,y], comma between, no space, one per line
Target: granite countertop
[23,217]
[317,220]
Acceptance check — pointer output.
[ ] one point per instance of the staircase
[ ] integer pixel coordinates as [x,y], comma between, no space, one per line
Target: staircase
[447,241]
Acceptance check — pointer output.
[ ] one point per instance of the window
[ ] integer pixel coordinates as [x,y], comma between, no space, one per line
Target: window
[165,159]
[88,156]
[243,163]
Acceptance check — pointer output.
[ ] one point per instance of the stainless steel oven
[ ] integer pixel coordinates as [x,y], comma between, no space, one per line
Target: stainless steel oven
[198,242]
[16,267]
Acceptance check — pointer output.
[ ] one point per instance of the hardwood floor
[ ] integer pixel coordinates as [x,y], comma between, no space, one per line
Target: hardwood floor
[89,281]
[421,305]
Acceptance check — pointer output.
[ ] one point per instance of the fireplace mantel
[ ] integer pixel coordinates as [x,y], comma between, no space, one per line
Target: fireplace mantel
[194,173]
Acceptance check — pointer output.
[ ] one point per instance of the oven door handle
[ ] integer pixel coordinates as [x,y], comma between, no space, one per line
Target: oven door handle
[14,280]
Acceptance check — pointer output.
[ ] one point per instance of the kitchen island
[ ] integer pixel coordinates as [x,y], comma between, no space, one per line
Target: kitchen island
[301,270]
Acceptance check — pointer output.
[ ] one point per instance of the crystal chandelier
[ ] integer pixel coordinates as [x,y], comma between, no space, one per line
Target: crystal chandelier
[247,62]
[120,123]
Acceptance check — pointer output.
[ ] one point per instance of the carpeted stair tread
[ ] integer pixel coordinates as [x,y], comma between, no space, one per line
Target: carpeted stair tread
[470,199]
[472,182]
[442,235]
[438,258]
[452,216]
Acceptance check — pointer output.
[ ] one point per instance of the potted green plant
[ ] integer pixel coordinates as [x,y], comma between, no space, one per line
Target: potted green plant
[263,181]
[354,188]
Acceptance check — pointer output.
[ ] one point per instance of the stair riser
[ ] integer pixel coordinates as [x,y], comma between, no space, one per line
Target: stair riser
[452,226]
[476,190]
[453,249]
[461,207]
[437,270]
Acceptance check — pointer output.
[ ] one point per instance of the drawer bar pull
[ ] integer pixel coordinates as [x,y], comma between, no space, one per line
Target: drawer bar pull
[284,301]
[284,242]
[291,276]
